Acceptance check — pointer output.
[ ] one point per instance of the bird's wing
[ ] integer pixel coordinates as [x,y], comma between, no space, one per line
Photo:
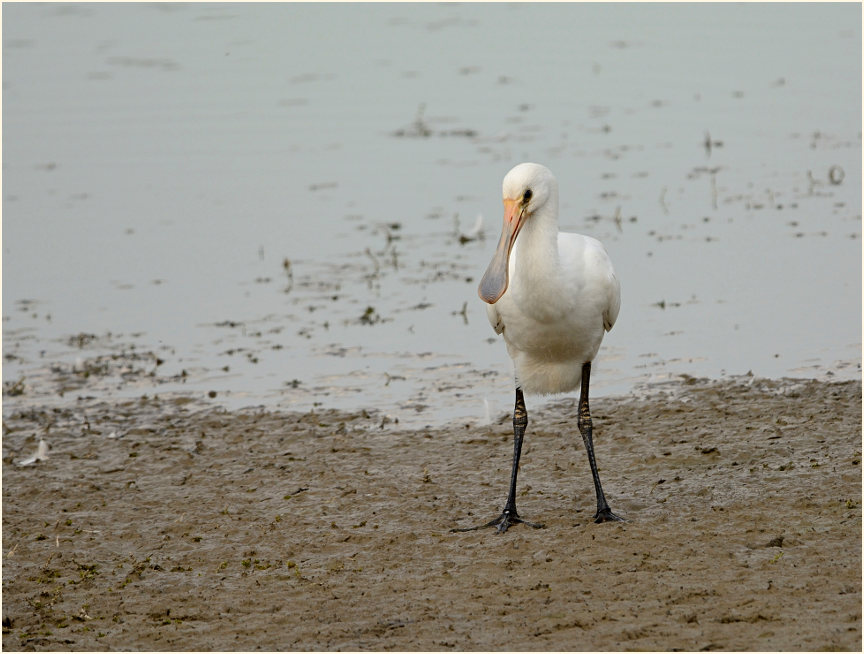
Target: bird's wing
[589,255]
[494,318]
[610,314]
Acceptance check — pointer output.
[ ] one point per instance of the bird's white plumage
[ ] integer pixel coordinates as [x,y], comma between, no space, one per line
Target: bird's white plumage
[562,294]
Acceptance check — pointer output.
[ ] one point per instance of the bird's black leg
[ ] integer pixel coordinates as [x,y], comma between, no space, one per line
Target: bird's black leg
[509,516]
[585,428]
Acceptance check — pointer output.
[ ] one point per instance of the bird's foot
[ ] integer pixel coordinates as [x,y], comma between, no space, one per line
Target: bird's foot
[606,515]
[502,523]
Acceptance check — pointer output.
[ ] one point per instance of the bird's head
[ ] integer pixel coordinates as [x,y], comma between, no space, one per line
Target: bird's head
[528,189]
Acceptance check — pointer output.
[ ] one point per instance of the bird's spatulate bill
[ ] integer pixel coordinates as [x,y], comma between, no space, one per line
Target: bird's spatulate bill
[497,276]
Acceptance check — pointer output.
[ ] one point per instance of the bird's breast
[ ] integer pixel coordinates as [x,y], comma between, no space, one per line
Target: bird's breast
[548,331]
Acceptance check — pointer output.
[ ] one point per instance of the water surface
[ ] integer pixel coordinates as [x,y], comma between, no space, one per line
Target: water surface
[270,202]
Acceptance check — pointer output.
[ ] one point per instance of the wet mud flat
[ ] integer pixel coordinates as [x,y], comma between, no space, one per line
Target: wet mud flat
[165,524]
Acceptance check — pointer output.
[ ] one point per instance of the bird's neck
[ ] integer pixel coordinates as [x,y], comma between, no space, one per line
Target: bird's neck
[536,250]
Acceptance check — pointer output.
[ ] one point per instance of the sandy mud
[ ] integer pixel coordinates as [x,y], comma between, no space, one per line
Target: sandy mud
[164,524]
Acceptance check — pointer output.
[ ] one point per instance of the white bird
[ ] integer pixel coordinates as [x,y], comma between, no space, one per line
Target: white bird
[552,296]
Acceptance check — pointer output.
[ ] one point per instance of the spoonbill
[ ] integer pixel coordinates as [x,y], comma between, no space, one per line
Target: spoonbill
[552,296]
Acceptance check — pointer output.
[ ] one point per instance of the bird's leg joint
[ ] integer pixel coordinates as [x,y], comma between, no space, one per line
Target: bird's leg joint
[520,418]
[520,413]
[584,421]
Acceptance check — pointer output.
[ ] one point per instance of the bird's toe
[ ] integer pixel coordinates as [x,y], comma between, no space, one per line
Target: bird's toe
[502,523]
[606,515]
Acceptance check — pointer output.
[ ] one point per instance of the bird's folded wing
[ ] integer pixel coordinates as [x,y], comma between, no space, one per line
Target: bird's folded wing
[494,318]
[610,314]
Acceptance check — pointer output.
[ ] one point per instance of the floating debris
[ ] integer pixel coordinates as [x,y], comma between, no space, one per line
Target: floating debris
[14,389]
[419,129]
[289,274]
[41,454]
[474,234]
[144,62]
[318,186]
[369,317]
[463,312]
[836,175]
[81,340]
[710,143]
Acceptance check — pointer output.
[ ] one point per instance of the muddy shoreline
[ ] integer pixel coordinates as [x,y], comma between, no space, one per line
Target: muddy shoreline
[165,524]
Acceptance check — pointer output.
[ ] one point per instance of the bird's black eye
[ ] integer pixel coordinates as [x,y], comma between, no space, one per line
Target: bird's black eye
[527,196]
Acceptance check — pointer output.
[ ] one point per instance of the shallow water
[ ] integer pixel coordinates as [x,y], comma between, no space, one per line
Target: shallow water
[265,202]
